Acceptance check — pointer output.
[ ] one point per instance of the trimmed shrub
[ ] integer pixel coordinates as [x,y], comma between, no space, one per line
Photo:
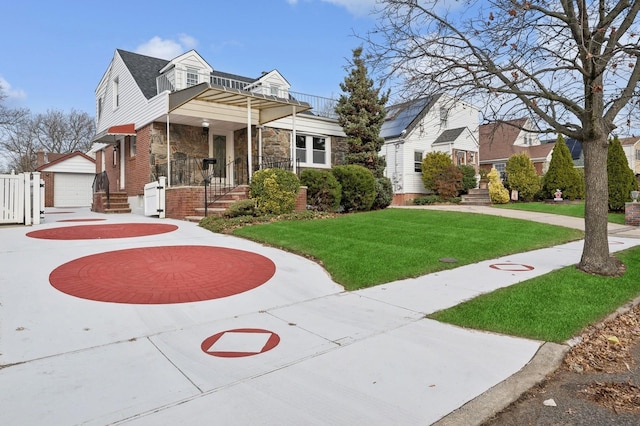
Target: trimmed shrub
[384,194]
[448,182]
[497,191]
[621,178]
[323,190]
[468,177]
[358,187]
[433,164]
[426,199]
[274,191]
[522,176]
[241,208]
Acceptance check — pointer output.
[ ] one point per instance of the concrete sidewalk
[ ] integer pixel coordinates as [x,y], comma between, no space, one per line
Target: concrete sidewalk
[315,354]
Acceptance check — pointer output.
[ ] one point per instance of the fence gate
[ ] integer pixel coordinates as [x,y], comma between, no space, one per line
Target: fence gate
[154,201]
[21,198]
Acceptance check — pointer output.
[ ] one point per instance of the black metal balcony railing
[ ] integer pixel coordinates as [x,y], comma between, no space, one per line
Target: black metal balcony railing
[101,184]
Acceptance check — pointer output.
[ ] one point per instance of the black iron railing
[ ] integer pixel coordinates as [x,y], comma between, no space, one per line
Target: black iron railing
[101,184]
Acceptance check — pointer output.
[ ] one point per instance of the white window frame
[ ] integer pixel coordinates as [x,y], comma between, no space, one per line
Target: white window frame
[310,152]
[417,165]
[637,154]
[190,74]
[116,93]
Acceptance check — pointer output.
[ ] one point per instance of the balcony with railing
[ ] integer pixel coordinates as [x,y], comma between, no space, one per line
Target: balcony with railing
[176,80]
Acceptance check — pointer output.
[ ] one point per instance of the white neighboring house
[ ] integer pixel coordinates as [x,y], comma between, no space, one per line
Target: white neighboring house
[631,147]
[413,129]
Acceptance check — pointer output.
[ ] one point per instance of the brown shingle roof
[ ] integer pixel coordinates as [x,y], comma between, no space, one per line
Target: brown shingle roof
[496,139]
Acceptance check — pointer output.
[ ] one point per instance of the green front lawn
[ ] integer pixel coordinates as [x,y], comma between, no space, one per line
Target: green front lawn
[553,307]
[565,209]
[365,249]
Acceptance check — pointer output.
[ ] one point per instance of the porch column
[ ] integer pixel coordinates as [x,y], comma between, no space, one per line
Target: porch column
[293,141]
[121,146]
[260,147]
[168,155]
[249,159]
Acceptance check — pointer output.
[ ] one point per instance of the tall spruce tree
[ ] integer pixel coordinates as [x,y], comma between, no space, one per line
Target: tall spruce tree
[621,180]
[361,113]
[561,174]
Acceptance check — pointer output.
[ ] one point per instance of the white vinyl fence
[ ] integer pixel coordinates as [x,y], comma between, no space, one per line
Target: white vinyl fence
[21,198]
[154,202]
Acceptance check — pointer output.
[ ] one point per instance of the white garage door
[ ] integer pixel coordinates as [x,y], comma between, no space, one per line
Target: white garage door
[72,190]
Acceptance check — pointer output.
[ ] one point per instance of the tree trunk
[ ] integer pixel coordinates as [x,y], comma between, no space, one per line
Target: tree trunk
[595,255]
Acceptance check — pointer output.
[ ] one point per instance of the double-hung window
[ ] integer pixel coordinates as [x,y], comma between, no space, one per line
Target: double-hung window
[417,161]
[313,151]
[192,77]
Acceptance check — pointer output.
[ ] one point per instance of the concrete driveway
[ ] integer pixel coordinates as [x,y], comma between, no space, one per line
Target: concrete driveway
[294,349]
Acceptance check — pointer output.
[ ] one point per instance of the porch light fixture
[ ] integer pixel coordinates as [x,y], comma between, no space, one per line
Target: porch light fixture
[205,124]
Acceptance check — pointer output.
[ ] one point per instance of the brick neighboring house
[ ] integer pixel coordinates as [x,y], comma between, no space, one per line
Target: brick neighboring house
[413,129]
[157,117]
[68,178]
[499,141]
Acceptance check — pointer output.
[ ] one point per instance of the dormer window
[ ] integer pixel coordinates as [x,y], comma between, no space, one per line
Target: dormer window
[192,77]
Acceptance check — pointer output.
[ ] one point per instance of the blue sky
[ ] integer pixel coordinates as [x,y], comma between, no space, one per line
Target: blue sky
[55,52]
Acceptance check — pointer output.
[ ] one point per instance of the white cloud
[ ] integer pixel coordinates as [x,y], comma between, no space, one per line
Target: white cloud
[355,7]
[167,49]
[292,1]
[11,93]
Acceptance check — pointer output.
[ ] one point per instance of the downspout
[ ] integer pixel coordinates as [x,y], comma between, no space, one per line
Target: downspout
[249,158]
[168,155]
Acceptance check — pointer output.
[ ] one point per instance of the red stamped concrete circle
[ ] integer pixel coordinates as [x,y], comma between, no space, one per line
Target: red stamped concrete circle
[100,232]
[159,275]
[80,220]
[240,342]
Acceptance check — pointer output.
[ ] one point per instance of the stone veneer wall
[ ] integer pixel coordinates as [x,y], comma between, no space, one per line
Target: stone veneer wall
[186,140]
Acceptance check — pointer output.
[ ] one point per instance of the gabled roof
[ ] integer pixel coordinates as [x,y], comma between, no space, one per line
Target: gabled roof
[59,158]
[497,139]
[540,151]
[405,116]
[144,70]
[629,141]
[449,136]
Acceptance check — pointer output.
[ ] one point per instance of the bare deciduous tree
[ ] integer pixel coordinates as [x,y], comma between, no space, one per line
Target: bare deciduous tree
[570,65]
[22,134]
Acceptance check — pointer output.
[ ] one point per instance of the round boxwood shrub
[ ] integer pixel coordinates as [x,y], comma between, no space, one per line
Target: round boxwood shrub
[323,190]
[358,187]
[384,193]
[274,191]
[241,208]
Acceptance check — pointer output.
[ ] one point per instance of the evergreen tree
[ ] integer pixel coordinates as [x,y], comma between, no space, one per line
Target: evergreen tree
[433,164]
[522,176]
[621,178]
[561,174]
[361,114]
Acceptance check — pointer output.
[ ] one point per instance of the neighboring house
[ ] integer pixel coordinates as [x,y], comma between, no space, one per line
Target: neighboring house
[68,178]
[156,117]
[631,147]
[501,140]
[413,129]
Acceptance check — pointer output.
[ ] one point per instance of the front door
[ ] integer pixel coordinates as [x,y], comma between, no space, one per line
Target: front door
[220,154]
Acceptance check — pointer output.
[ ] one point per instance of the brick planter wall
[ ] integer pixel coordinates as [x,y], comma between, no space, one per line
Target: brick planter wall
[632,214]
[181,201]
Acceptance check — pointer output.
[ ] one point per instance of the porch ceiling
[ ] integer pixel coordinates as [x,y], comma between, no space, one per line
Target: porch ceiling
[190,106]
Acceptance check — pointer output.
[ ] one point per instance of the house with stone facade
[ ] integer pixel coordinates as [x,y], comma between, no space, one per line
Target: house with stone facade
[413,129]
[157,117]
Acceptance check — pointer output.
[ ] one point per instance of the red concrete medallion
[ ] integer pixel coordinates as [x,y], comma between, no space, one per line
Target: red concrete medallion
[160,275]
[240,342]
[101,232]
[80,220]
[512,267]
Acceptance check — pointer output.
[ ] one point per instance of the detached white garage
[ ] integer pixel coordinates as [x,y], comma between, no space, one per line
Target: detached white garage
[69,179]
